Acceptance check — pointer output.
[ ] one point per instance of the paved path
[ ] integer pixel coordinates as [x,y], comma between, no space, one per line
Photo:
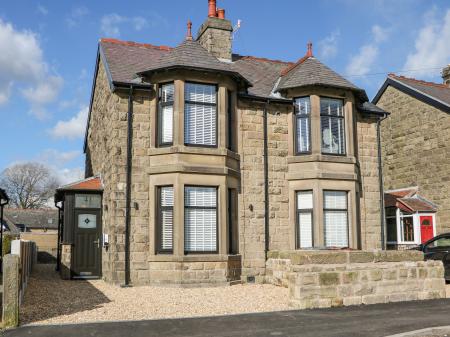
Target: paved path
[374,320]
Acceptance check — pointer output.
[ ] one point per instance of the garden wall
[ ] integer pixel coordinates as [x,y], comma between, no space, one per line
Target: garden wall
[318,279]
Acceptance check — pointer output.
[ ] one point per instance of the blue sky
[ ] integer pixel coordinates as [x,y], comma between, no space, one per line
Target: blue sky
[48,54]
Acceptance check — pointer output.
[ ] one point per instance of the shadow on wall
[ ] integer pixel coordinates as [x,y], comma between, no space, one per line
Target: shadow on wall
[48,296]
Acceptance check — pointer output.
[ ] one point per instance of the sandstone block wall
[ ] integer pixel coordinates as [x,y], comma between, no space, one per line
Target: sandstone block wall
[327,279]
[416,147]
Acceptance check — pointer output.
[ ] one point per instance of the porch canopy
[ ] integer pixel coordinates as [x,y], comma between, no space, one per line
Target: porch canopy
[408,200]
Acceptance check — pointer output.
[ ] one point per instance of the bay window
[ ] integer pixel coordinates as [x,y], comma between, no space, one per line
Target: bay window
[165,219]
[304,219]
[165,114]
[335,215]
[302,107]
[200,114]
[332,126]
[200,219]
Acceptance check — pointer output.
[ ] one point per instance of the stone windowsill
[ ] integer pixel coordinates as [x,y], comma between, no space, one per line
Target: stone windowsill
[194,258]
[321,158]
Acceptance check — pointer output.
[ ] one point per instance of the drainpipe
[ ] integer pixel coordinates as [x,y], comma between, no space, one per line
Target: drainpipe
[59,235]
[128,188]
[266,182]
[2,205]
[380,178]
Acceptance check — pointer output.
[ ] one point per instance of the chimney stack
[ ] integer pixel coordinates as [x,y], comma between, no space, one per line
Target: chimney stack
[446,75]
[189,31]
[215,35]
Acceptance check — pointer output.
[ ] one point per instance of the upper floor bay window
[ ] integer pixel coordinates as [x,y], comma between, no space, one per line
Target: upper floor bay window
[304,219]
[200,114]
[335,216]
[302,125]
[200,219]
[165,114]
[332,126]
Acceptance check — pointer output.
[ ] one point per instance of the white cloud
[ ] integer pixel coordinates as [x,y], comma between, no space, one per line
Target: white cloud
[42,10]
[328,46]
[73,128]
[362,63]
[110,23]
[432,46]
[22,61]
[55,157]
[76,16]
[70,175]
[58,162]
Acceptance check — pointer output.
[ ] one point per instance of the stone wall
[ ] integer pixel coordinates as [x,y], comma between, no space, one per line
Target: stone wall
[325,279]
[46,245]
[416,138]
[367,153]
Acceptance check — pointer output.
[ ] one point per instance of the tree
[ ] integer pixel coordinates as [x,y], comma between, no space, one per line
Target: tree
[29,185]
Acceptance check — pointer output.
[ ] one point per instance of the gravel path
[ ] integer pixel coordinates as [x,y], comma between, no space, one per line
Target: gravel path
[49,300]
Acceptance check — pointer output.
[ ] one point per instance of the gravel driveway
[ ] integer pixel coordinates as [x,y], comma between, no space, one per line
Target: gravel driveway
[48,300]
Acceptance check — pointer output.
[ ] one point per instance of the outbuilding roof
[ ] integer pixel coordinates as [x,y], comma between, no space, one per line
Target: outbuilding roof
[408,199]
[88,184]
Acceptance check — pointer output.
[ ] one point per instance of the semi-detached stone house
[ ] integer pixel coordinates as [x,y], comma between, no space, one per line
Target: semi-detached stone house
[416,156]
[226,157]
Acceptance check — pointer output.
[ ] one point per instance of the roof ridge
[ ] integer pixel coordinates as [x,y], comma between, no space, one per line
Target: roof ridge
[286,71]
[135,44]
[263,59]
[433,84]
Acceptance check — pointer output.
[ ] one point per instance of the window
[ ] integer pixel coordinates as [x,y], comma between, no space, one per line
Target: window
[391,224]
[302,125]
[335,218]
[305,219]
[165,219]
[88,201]
[200,114]
[165,114]
[200,219]
[332,126]
[407,227]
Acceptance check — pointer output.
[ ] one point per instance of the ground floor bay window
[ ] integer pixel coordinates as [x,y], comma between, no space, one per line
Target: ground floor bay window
[335,218]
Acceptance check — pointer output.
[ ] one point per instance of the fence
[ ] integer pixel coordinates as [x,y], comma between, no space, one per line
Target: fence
[17,268]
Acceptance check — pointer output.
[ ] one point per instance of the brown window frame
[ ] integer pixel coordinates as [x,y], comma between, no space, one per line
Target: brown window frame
[159,210]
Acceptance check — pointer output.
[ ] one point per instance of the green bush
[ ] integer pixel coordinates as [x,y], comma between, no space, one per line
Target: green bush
[7,244]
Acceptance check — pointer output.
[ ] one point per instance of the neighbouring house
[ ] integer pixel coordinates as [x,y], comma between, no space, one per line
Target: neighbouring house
[416,153]
[38,225]
[200,162]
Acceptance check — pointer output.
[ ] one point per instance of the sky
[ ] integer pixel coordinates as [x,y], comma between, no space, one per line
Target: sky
[48,51]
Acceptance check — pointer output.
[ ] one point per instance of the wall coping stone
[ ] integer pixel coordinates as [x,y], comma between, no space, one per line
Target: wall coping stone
[302,257]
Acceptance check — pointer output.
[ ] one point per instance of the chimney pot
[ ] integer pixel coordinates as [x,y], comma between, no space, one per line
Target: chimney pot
[189,31]
[446,75]
[221,13]
[309,52]
[212,11]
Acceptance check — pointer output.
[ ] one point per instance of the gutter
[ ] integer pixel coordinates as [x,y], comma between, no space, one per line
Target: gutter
[59,236]
[380,178]
[266,182]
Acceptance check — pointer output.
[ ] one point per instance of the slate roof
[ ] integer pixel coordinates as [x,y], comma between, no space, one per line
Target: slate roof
[33,218]
[310,71]
[436,94]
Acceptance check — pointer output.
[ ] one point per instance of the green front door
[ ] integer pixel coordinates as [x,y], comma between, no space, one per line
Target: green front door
[86,255]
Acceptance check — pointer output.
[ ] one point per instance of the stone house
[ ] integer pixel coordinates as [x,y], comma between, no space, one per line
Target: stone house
[416,157]
[209,160]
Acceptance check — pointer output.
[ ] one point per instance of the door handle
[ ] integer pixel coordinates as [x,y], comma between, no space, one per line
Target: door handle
[97,242]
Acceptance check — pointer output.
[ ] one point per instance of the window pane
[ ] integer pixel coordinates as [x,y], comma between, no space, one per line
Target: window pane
[335,218]
[332,126]
[166,217]
[305,200]
[200,234]
[200,114]
[166,116]
[87,221]
[302,113]
[335,199]
[407,228]
[302,106]
[167,93]
[391,224]
[88,201]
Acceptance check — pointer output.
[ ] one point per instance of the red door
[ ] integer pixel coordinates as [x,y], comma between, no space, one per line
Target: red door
[426,228]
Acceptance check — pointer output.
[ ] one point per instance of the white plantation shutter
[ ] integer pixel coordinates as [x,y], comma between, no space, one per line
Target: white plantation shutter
[302,112]
[200,114]
[304,218]
[336,219]
[200,217]
[166,113]
[166,217]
